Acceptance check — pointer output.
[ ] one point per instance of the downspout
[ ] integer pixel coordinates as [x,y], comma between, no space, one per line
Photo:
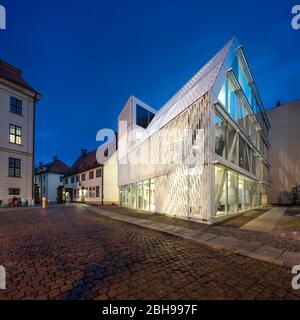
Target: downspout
[33,146]
[102,196]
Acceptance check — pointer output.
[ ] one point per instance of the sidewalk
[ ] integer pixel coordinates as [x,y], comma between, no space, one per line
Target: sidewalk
[252,249]
[266,222]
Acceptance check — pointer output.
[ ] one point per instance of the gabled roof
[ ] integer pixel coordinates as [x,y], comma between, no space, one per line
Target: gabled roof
[91,160]
[200,84]
[57,166]
[14,75]
[83,163]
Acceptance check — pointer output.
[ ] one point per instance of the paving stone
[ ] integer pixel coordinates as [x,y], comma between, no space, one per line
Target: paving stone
[269,251]
[290,258]
[72,253]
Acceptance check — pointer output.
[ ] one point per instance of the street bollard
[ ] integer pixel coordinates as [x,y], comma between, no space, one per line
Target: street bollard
[44,203]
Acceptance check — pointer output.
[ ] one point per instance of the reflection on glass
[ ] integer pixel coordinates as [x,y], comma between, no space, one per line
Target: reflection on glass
[140,195]
[221,190]
[220,136]
[146,195]
[152,195]
[232,192]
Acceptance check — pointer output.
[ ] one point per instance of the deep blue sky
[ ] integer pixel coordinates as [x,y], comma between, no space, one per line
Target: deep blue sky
[87,57]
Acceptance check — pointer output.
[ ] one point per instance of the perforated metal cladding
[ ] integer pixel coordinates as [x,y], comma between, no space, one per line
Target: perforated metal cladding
[179,186]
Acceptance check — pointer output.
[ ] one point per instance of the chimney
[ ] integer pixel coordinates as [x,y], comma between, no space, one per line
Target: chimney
[55,158]
[278,103]
[83,152]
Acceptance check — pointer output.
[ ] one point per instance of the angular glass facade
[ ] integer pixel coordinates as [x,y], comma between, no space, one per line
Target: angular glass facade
[218,165]
[241,137]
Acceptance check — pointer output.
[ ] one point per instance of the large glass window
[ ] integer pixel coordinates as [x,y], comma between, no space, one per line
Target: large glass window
[146,195]
[228,99]
[152,195]
[143,116]
[221,190]
[232,139]
[140,195]
[232,192]
[243,155]
[220,136]
[133,196]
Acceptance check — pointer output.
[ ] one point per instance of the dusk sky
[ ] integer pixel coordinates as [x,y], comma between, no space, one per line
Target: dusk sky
[87,57]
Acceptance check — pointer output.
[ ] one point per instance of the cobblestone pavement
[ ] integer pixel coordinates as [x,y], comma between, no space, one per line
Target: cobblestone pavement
[71,253]
[229,228]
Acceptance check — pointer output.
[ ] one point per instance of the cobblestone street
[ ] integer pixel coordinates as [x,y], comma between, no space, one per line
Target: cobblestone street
[72,253]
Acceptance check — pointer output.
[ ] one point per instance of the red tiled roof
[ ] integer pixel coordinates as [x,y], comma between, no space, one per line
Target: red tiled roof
[84,162]
[14,75]
[57,166]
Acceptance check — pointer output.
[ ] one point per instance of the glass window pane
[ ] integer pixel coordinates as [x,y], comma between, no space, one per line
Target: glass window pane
[143,117]
[140,195]
[232,144]
[233,192]
[146,195]
[243,159]
[221,191]
[220,136]
[152,195]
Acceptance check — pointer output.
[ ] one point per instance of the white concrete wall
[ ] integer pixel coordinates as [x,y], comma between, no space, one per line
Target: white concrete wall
[51,181]
[88,183]
[110,180]
[24,151]
[285,152]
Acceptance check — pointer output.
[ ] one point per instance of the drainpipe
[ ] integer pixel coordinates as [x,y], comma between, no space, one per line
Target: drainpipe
[33,145]
[102,182]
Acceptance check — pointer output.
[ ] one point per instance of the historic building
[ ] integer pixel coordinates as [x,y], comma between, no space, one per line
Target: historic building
[17,122]
[285,153]
[205,154]
[48,178]
[93,177]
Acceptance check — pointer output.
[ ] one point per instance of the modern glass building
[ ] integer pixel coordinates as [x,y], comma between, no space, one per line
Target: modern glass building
[205,154]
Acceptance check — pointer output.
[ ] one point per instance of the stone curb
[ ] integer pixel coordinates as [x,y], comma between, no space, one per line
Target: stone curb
[248,249]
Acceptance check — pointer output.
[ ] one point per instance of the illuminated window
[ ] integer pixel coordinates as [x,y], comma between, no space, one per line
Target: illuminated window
[15,134]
